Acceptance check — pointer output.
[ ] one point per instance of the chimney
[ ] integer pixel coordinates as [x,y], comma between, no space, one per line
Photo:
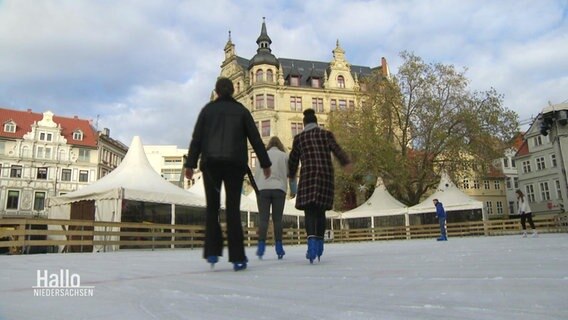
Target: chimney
[29,110]
[106,132]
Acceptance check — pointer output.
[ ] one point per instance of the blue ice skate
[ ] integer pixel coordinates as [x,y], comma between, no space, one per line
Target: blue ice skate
[320,242]
[238,266]
[212,260]
[261,248]
[279,250]
[312,249]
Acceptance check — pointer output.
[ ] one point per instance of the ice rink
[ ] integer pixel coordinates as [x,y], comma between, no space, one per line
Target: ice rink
[505,277]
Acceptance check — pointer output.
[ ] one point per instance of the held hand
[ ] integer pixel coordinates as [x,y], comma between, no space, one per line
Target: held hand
[267,172]
[189,173]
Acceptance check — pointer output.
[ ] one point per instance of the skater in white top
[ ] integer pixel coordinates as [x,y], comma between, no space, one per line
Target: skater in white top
[525,213]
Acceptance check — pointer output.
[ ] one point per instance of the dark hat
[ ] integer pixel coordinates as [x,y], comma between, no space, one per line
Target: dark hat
[310,116]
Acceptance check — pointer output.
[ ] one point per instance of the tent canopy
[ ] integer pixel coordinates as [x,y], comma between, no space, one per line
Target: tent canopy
[133,179]
[381,203]
[450,196]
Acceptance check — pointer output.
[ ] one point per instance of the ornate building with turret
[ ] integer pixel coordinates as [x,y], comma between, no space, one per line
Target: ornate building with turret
[276,89]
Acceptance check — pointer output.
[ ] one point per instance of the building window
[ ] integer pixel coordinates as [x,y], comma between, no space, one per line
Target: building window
[497,184]
[333,104]
[39,201]
[296,103]
[78,135]
[486,185]
[351,105]
[10,127]
[297,127]
[558,189]
[270,101]
[42,173]
[342,104]
[316,83]
[529,192]
[509,183]
[489,206]
[506,162]
[544,191]
[341,81]
[44,136]
[259,101]
[259,75]
[84,155]
[15,171]
[516,182]
[253,160]
[269,76]
[553,160]
[13,200]
[513,163]
[317,104]
[540,163]
[26,152]
[465,183]
[499,206]
[294,81]
[537,141]
[526,166]
[511,207]
[476,184]
[83,176]
[66,175]
[265,128]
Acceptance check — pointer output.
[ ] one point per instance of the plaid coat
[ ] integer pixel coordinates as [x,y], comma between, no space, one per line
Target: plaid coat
[313,149]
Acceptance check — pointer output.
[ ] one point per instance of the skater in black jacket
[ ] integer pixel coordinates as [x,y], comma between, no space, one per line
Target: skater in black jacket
[220,140]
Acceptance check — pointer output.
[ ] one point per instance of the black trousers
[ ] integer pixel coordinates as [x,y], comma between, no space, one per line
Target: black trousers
[315,221]
[524,218]
[232,176]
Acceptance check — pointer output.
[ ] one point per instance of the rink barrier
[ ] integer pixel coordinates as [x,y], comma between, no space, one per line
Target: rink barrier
[31,235]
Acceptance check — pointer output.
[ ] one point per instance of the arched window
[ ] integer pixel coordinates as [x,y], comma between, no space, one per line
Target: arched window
[269,75]
[340,81]
[259,75]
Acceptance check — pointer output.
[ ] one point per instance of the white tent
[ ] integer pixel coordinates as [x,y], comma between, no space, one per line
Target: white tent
[450,196]
[133,179]
[380,204]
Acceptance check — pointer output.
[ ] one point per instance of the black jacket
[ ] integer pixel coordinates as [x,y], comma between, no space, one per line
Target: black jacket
[221,133]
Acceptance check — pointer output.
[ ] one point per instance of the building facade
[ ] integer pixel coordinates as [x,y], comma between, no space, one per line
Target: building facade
[542,161]
[168,161]
[277,90]
[43,156]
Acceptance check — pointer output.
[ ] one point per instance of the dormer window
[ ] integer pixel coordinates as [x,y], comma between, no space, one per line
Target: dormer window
[341,81]
[316,83]
[295,81]
[78,135]
[10,126]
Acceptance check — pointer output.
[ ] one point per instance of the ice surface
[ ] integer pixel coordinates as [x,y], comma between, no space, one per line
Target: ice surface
[504,277]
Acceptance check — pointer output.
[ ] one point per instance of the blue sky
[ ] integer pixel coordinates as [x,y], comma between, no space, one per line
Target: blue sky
[146,67]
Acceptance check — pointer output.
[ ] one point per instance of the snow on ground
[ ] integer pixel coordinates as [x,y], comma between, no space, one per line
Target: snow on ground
[465,278]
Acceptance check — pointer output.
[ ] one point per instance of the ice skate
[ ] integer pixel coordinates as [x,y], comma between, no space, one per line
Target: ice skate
[261,248]
[279,250]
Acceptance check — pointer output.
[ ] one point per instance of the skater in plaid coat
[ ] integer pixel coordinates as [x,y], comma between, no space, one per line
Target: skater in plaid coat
[313,148]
